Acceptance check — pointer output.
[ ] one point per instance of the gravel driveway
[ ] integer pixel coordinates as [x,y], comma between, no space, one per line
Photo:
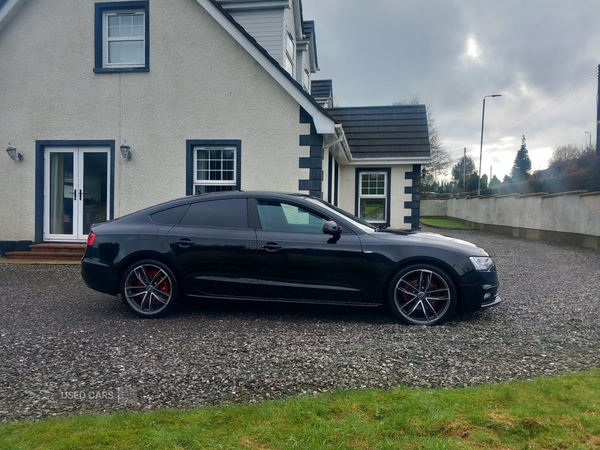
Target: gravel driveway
[67,349]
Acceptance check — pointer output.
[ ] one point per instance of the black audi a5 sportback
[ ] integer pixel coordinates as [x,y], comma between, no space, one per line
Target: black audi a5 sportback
[287,248]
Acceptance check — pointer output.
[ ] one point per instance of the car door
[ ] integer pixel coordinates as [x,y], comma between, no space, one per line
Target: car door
[296,260]
[215,248]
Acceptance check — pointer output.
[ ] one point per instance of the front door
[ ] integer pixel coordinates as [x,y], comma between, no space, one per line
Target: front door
[76,191]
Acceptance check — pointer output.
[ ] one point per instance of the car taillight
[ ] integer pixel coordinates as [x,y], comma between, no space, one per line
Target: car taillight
[91,238]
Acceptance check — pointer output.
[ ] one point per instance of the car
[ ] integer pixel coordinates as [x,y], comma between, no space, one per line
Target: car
[267,246]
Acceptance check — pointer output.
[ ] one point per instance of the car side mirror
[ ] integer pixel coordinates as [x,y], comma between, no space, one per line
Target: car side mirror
[330,227]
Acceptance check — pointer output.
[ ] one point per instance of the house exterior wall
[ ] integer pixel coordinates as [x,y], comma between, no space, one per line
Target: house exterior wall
[201,85]
[347,196]
[267,27]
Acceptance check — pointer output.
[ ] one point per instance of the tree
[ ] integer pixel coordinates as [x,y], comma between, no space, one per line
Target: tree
[469,169]
[566,153]
[495,181]
[522,166]
[441,158]
[483,184]
[472,181]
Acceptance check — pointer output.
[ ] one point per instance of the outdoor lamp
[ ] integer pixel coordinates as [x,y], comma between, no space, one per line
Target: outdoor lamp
[13,153]
[126,151]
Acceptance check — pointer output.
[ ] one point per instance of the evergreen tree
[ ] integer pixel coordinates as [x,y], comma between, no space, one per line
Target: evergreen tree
[495,181]
[522,167]
[483,184]
[468,169]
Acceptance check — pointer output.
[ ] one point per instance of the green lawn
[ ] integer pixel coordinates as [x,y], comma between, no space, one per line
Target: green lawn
[547,413]
[445,223]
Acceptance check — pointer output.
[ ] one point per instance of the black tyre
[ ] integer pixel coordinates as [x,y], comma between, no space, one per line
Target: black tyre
[422,295]
[149,288]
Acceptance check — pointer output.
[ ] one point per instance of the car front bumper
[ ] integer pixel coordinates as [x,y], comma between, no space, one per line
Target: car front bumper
[483,294]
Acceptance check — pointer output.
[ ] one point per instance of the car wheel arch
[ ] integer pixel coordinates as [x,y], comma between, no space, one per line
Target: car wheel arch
[127,262]
[422,260]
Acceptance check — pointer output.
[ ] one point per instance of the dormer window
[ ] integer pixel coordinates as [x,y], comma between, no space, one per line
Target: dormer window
[288,59]
[306,79]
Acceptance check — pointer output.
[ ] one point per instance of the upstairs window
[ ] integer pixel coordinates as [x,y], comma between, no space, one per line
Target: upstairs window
[122,37]
[288,59]
[306,80]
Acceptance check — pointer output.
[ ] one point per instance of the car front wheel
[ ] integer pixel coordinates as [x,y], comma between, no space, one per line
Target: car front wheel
[422,295]
[149,288]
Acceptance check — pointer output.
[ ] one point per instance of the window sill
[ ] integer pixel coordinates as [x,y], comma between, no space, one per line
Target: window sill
[120,69]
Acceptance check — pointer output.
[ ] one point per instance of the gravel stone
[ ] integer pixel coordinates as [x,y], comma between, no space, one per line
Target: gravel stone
[66,349]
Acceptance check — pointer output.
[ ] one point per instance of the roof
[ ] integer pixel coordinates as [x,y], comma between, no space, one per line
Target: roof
[385,131]
[321,89]
[308,29]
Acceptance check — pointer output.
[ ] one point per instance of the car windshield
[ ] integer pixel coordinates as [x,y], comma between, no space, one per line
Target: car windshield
[360,223]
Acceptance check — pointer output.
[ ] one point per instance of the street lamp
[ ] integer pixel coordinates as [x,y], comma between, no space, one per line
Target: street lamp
[587,132]
[481,144]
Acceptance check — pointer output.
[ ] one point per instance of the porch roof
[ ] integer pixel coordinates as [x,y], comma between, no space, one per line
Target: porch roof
[385,131]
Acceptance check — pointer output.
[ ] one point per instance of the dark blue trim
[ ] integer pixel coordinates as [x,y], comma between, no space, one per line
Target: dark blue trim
[40,147]
[100,8]
[415,204]
[388,172]
[329,177]
[336,183]
[314,162]
[189,159]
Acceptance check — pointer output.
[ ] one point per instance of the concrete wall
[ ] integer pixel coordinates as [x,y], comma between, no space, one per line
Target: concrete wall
[571,217]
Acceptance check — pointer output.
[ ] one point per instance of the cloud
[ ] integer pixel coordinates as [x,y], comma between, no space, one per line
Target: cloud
[453,52]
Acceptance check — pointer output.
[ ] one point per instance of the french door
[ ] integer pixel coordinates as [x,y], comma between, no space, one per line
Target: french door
[76,191]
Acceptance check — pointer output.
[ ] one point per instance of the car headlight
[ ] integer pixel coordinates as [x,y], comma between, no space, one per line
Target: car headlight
[483,263]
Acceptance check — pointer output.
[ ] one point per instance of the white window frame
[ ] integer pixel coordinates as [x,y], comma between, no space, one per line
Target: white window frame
[228,184]
[383,196]
[288,60]
[306,79]
[106,39]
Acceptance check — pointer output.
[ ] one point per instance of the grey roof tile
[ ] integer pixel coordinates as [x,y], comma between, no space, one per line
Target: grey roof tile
[385,131]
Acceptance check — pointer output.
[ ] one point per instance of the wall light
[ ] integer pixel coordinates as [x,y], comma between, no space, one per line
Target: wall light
[13,153]
[126,151]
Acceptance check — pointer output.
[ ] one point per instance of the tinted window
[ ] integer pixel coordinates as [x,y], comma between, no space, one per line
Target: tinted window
[171,216]
[227,213]
[280,216]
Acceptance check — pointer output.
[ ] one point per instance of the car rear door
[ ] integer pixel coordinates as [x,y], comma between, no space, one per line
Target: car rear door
[296,260]
[215,248]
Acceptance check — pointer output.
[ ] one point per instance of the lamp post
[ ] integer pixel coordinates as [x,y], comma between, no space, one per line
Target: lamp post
[587,132]
[481,144]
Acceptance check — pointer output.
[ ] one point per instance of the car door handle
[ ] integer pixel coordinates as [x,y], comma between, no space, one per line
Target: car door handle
[184,243]
[271,247]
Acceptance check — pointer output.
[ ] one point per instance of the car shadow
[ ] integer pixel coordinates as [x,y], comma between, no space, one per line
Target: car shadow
[282,311]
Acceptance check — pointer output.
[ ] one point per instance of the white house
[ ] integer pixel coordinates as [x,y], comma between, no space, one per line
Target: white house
[203,95]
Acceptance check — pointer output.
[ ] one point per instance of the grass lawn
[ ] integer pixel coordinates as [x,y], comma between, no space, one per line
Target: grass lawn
[445,223]
[547,413]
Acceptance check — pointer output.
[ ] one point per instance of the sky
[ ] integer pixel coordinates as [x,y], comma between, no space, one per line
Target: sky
[540,55]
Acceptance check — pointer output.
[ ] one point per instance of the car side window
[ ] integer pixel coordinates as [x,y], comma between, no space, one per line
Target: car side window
[171,216]
[281,216]
[227,213]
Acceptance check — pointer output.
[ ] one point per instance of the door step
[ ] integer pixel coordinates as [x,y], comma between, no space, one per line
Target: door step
[50,252]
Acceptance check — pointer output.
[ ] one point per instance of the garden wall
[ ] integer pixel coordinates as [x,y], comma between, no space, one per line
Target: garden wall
[568,217]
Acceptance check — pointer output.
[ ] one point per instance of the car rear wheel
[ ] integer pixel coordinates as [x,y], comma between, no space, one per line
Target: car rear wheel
[422,295]
[149,288]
